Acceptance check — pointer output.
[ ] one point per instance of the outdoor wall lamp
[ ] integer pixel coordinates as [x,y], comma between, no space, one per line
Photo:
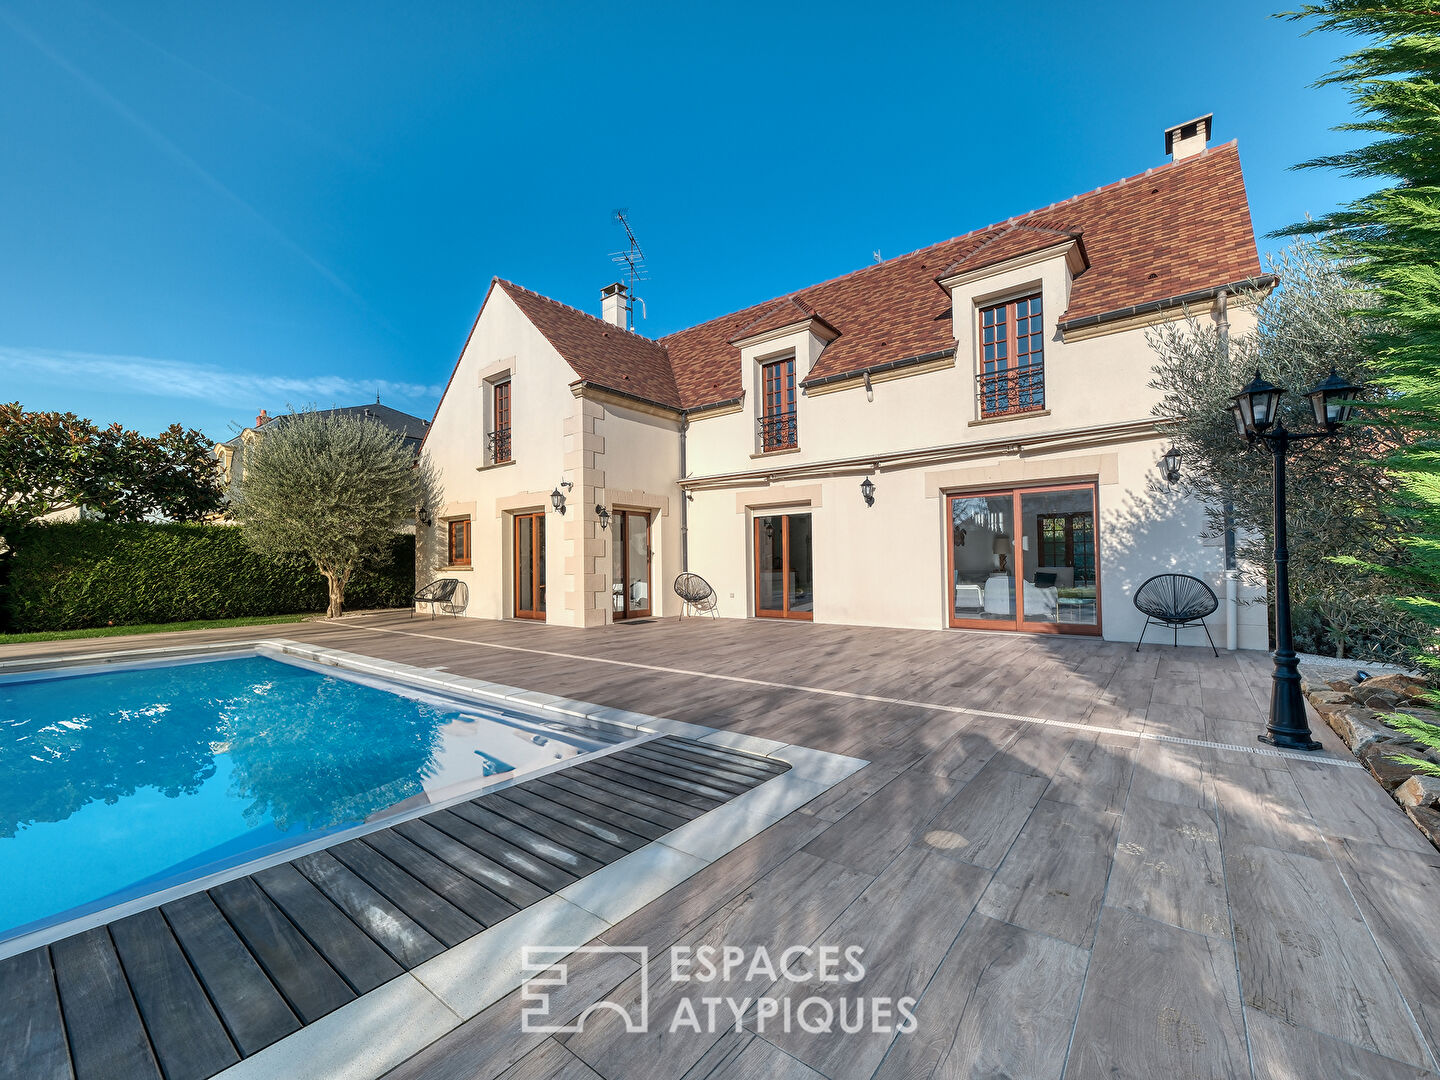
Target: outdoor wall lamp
[867,491]
[557,500]
[422,516]
[1255,410]
[1170,464]
[603,515]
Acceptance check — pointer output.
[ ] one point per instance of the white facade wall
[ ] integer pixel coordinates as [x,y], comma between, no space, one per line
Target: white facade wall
[917,434]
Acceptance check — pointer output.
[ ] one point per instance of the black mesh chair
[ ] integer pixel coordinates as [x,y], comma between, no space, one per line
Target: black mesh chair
[699,597]
[1176,600]
[443,594]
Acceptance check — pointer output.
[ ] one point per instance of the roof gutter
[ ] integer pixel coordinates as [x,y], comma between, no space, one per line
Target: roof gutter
[1260,281]
[695,410]
[876,369]
[587,384]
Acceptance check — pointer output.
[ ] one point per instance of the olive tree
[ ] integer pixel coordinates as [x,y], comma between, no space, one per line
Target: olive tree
[1315,318]
[332,488]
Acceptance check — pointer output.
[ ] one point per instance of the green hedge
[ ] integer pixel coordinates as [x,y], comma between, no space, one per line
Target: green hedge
[84,574]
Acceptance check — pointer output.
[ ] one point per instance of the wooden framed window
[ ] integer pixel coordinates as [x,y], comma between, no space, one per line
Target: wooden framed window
[500,423]
[777,405]
[459,550]
[1012,357]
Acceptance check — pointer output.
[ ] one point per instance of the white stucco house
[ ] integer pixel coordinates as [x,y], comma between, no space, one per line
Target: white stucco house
[957,437]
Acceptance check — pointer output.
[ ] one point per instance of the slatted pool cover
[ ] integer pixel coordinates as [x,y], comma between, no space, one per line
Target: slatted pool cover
[184,990]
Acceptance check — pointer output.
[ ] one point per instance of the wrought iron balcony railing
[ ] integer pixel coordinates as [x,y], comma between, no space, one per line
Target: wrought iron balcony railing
[1018,390]
[499,447]
[777,432]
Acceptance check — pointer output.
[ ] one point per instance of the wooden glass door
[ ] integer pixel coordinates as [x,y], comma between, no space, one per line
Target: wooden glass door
[784,572]
[530,566]
[1024,559]
[630,564]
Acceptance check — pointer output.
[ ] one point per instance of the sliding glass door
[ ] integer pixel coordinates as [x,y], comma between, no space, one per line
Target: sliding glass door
[1024,559]
[784,574]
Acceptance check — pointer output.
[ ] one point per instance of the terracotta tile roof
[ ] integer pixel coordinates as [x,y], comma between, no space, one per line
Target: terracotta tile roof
[1176,229]
[1008,242]
[598,352]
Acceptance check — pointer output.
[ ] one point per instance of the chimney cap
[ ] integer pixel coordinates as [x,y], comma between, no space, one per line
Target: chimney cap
[614,288]
[1187,130]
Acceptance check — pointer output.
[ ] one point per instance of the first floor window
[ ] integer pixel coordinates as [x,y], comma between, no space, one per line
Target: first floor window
[777,405]
[1012,357]
[460,542]
[500,427]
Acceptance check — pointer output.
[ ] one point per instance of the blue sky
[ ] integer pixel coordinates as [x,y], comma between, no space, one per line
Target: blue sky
[206,210]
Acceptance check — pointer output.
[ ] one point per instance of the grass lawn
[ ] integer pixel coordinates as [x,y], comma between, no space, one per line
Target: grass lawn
[150,628]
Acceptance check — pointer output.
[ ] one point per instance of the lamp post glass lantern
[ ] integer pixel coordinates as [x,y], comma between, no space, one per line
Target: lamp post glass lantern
[1170,464]
[603,515]
[867,491]
[1255,409]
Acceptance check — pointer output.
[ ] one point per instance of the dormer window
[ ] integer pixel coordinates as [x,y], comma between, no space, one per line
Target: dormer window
[1012,358]
[499,438]
[777,405]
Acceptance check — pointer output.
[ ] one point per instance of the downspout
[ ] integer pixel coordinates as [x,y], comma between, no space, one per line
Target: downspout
[1232,570]
[684,502]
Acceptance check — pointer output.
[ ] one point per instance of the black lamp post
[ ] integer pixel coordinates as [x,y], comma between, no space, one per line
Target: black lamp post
[1255,411]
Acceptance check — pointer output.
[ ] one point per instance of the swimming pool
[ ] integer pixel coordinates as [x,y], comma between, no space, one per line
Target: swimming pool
[122,781]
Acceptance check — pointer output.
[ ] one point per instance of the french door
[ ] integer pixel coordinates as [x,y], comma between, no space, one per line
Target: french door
[1024,559]
[784,572]
[529,566]
[630,564]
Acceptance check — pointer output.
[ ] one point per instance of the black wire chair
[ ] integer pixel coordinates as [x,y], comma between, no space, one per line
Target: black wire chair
[697,594]
[1176,601]
[446,594]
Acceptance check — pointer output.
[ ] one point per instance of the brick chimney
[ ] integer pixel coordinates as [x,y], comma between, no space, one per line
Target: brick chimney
[615,305]
[1188,139]
[262,419]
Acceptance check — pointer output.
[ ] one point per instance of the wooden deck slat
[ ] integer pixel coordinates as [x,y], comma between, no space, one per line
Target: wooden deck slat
[107,1038]
[694,772]
[734,759]
[544,850]
[456,838]
[32,1033]
[309,984]
[446,922]
[253,1011]
[360,962]
[745,767]
[642,766]
[583,797]
[609,794]
[185,1033]
[464,877]
[636,776]
[566,827]
[396,932]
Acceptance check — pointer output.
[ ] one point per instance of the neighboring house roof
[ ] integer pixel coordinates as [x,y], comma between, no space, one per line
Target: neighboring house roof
[600,353]
[1178,229]
[410,428]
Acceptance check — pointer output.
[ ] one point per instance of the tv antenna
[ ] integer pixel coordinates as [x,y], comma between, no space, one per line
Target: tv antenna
[633,259]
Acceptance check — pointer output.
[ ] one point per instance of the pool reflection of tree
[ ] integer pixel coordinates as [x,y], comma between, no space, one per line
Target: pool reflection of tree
[48,772]
[315,755]
[304,752]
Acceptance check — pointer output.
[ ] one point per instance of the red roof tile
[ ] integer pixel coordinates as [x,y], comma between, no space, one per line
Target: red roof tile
[599,353]
[1179,228]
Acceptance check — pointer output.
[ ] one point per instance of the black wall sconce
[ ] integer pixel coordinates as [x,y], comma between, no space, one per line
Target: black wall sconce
[557,500]
[1170,464]
[603,515]
[422,517]
[867,491]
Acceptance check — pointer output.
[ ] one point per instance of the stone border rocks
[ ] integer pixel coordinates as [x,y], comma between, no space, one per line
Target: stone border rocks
[1354,711]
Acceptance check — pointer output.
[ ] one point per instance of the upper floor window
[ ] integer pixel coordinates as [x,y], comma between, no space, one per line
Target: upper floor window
[500,423]
[459,552]
[777,405]
[1012,357]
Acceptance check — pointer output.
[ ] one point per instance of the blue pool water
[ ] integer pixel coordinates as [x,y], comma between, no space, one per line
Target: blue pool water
[122,782]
